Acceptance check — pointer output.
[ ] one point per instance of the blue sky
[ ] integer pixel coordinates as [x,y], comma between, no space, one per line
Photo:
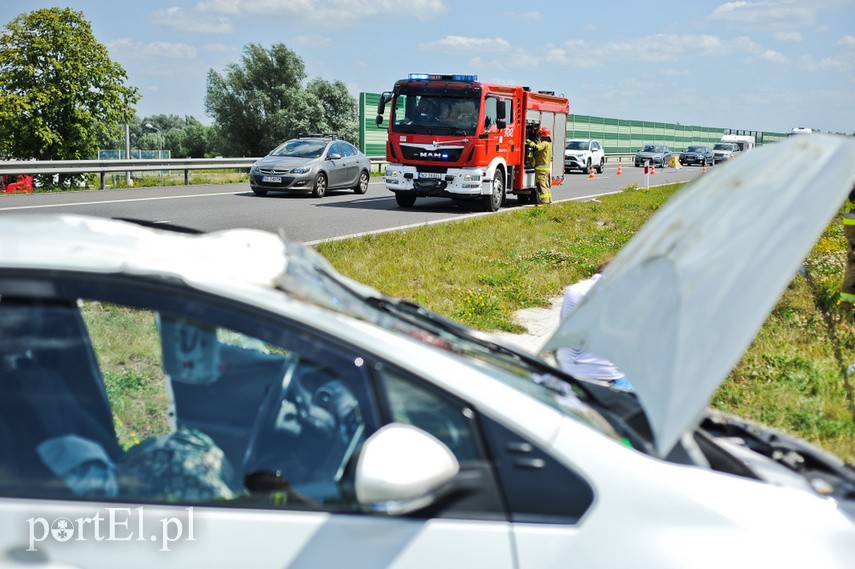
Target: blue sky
[760,65]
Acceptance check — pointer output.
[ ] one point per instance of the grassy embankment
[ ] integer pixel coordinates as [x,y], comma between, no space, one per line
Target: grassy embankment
[480,271]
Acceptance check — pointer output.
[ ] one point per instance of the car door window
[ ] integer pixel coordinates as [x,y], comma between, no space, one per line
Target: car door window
[337,148]
[413,404]
[455,424]
[153,402]
[347,149]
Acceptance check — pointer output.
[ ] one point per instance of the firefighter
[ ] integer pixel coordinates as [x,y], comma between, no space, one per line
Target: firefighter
[542,161]
[847,289]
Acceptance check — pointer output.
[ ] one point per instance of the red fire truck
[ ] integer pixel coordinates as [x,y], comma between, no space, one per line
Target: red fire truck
[452,136]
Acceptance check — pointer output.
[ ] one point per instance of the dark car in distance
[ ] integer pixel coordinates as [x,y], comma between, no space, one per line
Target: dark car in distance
[311,163]
[654,155]
[700,155]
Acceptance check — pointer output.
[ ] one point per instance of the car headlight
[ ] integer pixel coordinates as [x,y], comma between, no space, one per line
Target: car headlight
[300,170]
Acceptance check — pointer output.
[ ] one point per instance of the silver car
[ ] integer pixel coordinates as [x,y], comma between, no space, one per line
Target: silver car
[723,151]
[311,163]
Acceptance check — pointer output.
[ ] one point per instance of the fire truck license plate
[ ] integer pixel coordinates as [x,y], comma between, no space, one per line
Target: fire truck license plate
[274,179]
[430,175]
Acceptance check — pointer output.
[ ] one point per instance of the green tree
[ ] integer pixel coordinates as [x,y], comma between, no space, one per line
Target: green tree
[59,90]
[261,101]
[340,113]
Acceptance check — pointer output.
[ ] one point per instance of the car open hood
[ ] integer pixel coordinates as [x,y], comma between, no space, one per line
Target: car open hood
[679,304]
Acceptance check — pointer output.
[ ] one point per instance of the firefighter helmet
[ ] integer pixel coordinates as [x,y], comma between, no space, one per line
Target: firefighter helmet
[544,131]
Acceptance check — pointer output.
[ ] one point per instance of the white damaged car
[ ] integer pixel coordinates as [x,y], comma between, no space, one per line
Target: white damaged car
[224,399]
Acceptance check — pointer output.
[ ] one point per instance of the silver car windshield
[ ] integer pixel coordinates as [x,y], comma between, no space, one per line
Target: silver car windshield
[301,149]
[310,277]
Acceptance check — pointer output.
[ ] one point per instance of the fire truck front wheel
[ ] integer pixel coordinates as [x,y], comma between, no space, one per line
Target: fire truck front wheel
[493,201]
[405,199]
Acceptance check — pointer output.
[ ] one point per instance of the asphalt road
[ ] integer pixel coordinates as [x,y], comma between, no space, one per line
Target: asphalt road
[303,218]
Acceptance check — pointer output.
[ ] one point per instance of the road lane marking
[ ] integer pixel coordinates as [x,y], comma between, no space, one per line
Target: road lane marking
[75,204]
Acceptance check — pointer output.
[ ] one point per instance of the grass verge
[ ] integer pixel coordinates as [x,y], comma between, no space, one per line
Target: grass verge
[480,271]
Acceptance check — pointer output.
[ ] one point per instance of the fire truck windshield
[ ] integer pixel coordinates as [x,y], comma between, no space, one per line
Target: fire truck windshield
[435,113]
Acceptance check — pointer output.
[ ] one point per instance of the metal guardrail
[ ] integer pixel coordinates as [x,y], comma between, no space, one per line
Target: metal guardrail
[102,167]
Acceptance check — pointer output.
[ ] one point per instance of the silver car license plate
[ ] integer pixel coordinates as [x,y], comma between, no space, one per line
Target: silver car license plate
[274,179]
[430,175]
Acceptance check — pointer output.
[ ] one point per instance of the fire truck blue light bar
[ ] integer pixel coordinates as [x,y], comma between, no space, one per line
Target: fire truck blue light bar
[434,76]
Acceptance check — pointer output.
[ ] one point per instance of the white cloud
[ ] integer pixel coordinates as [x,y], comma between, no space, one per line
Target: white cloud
[130,48]
[192,21]
[169,50]
[847,41]
[329,11]
[161,59]
[531,17]
[788,36]
[656,48]
[773,56]
[314,41]
[466,44]
[767,14]
[218,47]
[834,64]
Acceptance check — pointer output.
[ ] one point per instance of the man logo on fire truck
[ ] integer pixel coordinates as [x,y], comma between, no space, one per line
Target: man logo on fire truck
[453,136]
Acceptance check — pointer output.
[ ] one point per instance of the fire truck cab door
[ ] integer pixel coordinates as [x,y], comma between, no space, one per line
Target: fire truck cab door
[498,126]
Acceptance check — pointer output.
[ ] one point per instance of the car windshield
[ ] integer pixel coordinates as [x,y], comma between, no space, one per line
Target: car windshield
[311,278]
[723,147]
[652,148]
[577,145]
[434,111]
[300,148]
[695,149]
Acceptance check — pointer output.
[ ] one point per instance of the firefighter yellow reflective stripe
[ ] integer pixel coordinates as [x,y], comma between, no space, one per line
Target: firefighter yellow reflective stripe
[849,219]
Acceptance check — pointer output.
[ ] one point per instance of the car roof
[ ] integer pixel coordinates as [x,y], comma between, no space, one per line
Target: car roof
[316,136]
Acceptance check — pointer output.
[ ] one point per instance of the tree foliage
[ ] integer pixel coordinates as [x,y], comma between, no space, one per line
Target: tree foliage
[59,90]
[183,137]
[261,101]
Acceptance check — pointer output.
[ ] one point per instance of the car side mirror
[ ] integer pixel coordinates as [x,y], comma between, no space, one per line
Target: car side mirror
[334,156]
[385,97]
[401,469]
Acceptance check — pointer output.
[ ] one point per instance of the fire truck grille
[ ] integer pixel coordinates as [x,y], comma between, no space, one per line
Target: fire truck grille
[438,155]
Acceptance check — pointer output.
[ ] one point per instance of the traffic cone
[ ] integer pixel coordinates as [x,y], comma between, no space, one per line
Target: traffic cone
[619,171]
[591,173]
[653,169]
[704,171]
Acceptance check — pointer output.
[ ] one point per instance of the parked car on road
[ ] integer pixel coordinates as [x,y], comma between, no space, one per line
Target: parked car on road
[724,151]
[582,154]
[311,163]
[209,399]
[700,155]
[654,154]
